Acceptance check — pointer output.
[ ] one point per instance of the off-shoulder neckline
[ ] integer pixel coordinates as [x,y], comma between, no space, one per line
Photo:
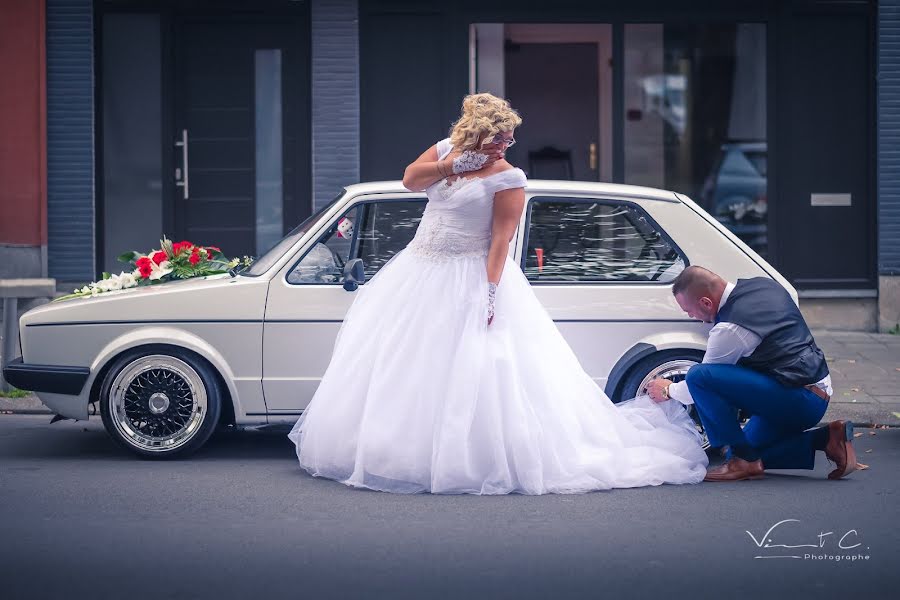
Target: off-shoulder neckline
[446,182]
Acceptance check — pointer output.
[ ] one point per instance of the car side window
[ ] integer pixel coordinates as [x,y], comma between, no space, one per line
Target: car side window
[324,262]
[387,227]
[574,239]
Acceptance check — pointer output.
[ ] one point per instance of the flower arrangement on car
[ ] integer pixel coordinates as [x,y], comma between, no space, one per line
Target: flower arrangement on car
[173,261]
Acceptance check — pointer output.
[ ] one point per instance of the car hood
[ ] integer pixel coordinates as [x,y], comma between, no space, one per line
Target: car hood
[200,298]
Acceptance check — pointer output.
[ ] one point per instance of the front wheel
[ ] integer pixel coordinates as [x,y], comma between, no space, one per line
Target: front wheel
[160,405]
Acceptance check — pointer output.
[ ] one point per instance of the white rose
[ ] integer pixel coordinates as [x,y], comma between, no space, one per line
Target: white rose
[128,280]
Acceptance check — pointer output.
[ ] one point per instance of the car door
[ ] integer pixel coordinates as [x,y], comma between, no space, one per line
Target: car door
[307,301]
[602,267]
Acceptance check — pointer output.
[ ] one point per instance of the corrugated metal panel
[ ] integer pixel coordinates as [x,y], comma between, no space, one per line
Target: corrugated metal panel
[889,137]
[70,139]
[335,97]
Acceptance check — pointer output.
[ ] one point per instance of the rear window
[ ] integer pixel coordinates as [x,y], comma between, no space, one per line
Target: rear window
[574,239]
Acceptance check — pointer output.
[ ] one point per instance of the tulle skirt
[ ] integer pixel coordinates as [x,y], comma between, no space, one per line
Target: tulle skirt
[421,395]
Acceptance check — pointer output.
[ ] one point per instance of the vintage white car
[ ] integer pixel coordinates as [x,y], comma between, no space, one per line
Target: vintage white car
[170,363]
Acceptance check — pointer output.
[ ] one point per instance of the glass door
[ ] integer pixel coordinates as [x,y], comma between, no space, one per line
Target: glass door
[695,118]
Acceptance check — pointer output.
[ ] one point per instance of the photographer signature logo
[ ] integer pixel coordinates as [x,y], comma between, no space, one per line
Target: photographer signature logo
[828,545]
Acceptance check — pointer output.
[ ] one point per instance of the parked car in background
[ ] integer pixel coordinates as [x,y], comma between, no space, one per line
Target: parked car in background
[736,192]
[167,364]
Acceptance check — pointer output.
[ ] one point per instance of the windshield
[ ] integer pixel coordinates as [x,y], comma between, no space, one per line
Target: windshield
[262,264]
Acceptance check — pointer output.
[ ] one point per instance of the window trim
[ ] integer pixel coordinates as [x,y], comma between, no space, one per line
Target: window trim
[594,200]
[354,243]
[314,219]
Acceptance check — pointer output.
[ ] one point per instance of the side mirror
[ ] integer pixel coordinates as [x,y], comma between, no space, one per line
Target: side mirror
[354,274]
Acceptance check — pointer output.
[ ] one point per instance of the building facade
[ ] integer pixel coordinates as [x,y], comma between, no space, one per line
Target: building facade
[229,122]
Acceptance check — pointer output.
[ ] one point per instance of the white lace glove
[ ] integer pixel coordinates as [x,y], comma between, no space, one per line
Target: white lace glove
[468,161]
[492,295]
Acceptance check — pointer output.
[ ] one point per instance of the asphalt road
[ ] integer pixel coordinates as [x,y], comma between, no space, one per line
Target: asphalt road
[80,518]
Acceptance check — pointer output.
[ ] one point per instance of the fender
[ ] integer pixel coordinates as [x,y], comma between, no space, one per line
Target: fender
[143,336]
[647,346]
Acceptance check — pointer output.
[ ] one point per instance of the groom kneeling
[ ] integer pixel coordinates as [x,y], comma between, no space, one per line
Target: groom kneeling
[761,358]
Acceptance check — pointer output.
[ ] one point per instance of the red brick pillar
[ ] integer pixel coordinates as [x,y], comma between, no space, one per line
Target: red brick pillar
[23,143]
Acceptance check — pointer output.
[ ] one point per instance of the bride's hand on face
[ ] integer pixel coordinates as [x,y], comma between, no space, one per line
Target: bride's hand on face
[492,152]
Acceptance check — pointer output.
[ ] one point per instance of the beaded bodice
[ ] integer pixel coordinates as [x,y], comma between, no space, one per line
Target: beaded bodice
[457,218]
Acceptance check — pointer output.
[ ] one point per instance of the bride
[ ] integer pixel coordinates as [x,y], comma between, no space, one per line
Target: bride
[448,375]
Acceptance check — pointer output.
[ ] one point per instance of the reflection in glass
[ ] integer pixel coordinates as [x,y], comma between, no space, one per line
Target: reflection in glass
[387,229]
[324,262]
[695,118]
[575,240]
[269,184]
[265,262]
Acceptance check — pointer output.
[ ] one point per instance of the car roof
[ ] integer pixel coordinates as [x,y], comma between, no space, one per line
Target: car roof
[539,186]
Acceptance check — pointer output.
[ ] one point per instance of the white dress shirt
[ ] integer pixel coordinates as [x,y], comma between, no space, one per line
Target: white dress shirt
[727,344]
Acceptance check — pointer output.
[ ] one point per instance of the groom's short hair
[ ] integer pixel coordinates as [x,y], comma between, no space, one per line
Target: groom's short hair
[694,281]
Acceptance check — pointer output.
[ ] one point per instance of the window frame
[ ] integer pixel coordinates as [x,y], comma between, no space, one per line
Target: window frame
[354,243]
[593,200]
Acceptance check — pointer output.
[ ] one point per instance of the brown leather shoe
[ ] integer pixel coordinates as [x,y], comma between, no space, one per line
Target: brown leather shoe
[736,469]
[839,448]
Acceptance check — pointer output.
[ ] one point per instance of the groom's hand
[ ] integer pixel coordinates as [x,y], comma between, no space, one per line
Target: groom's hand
[657,388]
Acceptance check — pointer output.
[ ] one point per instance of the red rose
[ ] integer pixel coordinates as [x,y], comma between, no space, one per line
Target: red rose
[195,256]
[159,257]
[143,264]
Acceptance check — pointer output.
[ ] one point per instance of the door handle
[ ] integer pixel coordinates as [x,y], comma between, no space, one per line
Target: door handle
[179,180]
[592,156]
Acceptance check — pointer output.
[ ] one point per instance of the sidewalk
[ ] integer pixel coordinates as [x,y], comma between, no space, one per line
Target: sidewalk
[865,372]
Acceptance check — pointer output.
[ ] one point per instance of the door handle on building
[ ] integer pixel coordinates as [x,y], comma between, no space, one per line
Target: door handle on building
[179,180]
[592,156]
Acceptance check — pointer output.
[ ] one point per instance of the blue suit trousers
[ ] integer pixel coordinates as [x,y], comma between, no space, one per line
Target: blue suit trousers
[781,415]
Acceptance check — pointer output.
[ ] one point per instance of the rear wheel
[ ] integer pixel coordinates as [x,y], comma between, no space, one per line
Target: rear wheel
[669,364]
[160,404]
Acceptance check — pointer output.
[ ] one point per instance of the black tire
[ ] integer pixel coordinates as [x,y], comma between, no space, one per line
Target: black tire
[670,364]
[165,405]
[643,368]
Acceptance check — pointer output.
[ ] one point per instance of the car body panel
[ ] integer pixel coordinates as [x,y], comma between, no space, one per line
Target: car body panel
[206,315]
[272,340]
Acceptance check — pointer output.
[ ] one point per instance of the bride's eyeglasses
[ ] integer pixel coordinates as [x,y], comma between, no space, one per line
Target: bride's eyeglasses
[499,139]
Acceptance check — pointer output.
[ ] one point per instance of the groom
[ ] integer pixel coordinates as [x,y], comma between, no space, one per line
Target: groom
[761,358]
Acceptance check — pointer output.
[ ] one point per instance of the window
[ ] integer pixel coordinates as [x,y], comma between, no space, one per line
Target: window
[571,239]
[324,262]
[694,119]
[372,231]
[265,262]
[387,228]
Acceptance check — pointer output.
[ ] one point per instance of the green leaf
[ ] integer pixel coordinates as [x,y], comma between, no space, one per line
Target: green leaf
[182,271]
[106,275]
[129,257]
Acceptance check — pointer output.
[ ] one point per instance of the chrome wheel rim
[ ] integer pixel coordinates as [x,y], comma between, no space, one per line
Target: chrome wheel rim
[675,370]
[158,403]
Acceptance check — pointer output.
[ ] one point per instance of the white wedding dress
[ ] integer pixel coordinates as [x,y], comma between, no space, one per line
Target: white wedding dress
[421,395]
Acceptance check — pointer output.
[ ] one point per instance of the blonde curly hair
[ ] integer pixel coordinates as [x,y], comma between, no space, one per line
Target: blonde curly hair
[483,116]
